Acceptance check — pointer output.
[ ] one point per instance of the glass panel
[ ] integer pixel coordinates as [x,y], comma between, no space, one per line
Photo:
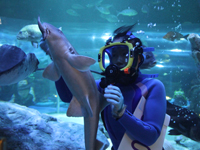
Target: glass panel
[87,24]
[106,60]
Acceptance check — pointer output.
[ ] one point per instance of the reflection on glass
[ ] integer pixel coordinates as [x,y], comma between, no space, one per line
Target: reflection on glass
[106,60]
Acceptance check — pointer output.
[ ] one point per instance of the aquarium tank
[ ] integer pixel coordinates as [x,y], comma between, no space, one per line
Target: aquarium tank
[33,116]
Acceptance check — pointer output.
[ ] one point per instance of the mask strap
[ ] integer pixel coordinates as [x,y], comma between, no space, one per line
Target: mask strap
[109,41]
[148,49]
[130,35]
[148,75]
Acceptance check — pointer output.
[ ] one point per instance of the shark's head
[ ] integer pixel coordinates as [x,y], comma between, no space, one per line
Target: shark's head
[49,32]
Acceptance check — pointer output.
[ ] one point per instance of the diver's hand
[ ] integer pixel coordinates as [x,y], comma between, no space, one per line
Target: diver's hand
[114,96]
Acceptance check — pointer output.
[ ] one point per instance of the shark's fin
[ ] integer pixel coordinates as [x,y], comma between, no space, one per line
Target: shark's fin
[103,101]
[186,36]
[99,145]
[34,44]
[81,63]
[75,109]
[174,132]
[51,72]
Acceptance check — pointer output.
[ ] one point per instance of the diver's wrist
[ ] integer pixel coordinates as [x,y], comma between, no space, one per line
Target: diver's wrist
[118,114]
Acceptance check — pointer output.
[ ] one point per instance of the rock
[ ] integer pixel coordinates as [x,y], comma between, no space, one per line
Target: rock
[27,129]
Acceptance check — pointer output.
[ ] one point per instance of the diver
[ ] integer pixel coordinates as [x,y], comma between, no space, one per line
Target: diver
[25,94]
[124,87]
[21,93]
[7,92]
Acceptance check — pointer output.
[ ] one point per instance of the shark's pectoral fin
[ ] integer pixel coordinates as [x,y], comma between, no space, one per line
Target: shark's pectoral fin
[51,72]
[75,109]
[174,132]
[99,145]
[81,63]
[34,44]
[103,102]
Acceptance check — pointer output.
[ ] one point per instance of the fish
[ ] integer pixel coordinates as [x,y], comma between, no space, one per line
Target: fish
[104,9]
[15,64]
[128,12]
[145,9]
[149,61]
[30,33]
[173,35]
[110,18]
[183,121]
[94,3]
[77,6]
[72,12]
[74,69]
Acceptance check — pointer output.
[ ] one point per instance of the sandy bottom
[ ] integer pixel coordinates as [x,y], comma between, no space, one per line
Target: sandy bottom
[63,117]
[79,120]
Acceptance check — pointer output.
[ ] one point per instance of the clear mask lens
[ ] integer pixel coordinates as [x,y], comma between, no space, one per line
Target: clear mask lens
[117,54]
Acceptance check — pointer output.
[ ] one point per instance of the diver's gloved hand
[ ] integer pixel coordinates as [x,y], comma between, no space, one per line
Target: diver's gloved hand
[114,96]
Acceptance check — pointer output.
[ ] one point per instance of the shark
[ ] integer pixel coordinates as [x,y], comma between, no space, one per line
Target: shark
[87,102]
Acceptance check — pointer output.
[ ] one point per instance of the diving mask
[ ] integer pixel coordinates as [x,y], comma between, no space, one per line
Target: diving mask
[119,54]
[118,61]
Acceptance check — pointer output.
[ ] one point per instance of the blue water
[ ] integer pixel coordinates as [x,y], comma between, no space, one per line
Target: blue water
[88,33]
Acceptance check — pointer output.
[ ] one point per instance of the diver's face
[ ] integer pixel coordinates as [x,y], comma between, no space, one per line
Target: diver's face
[23,93]
[120,57]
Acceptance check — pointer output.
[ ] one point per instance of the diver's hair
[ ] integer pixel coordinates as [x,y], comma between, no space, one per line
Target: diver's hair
[122,31]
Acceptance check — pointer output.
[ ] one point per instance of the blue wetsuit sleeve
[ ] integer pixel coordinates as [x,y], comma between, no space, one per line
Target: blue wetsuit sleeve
[63,91]
[98,86]
[149,128]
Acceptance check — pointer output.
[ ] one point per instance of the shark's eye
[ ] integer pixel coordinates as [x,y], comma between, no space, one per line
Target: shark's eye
[71,50]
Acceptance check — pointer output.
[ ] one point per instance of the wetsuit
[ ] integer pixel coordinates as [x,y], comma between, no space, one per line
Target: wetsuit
[146,130]
[28,101]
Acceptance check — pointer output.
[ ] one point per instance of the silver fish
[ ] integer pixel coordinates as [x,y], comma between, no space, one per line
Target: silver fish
[72,12]
[30,33]
[74,69]
[104,9]
[110,18]
[128,12]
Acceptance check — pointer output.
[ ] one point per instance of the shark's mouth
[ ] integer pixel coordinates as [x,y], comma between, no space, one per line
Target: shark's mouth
[42,29]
